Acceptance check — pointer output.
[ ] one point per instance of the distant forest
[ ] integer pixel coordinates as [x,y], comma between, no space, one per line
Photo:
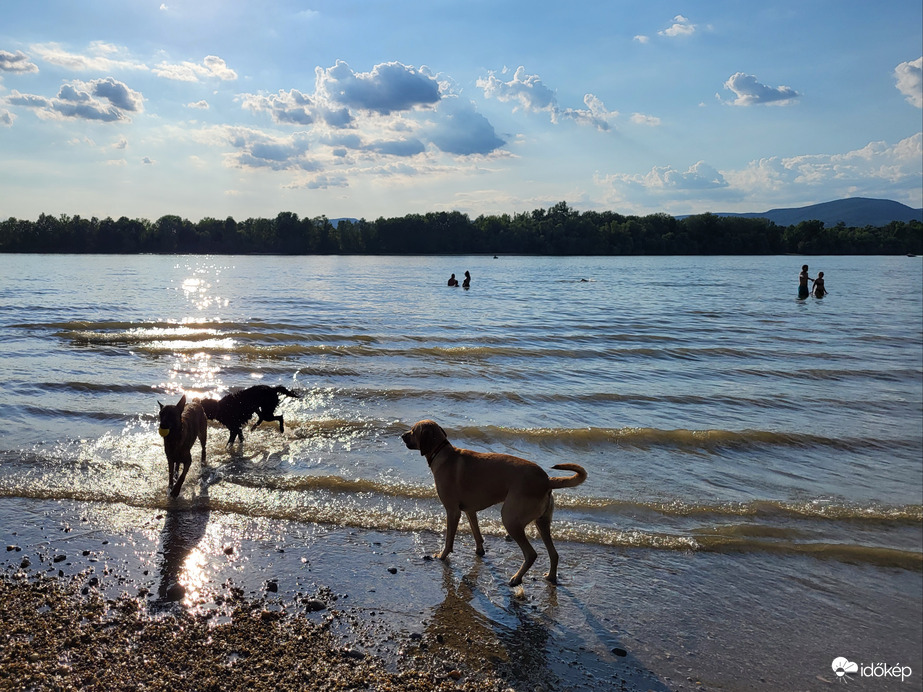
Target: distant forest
[559,230]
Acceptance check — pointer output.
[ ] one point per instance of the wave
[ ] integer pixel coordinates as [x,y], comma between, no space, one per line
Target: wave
[289,502]
[682,439]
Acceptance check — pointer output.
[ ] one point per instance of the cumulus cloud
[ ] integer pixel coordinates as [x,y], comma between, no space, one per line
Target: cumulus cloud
[750,92]
[16,62]
[211,67]
[641,38]
[256,149]
[389,87]
[680,27]
[198,105]
[460,129]
[291,107]
[876,170]
[527,90]
[6,118]
[394,110]
[909,77]
[100,57]
[531,94]
[696,178]
[106,100]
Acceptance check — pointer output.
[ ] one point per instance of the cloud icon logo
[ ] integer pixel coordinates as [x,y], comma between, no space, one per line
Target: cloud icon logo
[842,666]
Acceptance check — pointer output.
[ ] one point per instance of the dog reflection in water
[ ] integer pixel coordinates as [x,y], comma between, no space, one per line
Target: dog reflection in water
[180,425]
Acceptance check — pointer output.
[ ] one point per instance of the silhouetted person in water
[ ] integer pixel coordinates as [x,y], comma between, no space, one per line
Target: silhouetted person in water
[467,282]
[452,281]
[803,278]
[819,290]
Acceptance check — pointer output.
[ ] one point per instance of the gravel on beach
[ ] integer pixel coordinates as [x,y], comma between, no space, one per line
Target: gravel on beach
[57,636]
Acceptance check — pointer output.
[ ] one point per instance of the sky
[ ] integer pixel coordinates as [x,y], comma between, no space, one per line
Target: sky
[364,109]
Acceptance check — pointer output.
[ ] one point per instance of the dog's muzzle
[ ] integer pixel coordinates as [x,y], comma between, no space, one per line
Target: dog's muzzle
[164,432]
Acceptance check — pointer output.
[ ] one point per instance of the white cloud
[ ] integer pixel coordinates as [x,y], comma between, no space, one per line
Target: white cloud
[526,90]
[6,118]
[910,81]
[106,100]
[100,57]
[256,149]
[641,38]
[289,107]
[699,177]
[389,87]
[211,66]
[461,130]
[750,92]
[148,161]
[680,27]
[394,110]
[531,94]
[200,105]
[876,170]
[642,119]
[16,62]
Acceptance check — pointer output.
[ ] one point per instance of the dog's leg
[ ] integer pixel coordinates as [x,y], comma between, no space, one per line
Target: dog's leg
[451,526]
[543,524]
[476,531]
[187,462]
[517,531]
[171,472]
[203,436]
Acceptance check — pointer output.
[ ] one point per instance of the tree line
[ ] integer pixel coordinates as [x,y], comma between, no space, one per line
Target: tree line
[558,230]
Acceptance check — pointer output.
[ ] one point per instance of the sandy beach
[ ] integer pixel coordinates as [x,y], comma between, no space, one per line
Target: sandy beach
[101,596]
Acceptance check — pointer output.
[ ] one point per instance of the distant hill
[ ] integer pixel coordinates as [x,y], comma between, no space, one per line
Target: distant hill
[854,212]
[336,222]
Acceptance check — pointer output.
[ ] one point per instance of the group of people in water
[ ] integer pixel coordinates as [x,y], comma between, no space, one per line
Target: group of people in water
[465,284]
[817,289]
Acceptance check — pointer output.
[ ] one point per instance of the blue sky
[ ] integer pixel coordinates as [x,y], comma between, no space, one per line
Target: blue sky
[384,108]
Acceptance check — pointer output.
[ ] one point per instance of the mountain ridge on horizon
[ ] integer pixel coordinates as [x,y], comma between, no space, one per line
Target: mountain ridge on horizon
[852,211]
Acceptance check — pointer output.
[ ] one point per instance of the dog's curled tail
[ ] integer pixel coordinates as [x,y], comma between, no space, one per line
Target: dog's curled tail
[568,481]
[282,390]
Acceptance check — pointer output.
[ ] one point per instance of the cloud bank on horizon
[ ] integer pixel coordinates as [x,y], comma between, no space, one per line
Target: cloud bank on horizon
[226,109]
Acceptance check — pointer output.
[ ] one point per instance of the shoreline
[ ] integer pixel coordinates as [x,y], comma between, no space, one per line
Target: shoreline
[220,600]
[169,598]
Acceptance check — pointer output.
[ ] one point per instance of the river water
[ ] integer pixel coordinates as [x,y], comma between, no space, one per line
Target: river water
[714,412]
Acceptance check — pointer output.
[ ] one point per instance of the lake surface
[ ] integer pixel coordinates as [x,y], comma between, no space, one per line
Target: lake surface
[713,411]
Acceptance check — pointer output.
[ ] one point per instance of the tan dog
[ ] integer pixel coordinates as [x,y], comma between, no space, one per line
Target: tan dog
[469,481]
[180,425]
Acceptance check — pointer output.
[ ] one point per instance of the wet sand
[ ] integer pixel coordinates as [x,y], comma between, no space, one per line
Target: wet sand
[107,596]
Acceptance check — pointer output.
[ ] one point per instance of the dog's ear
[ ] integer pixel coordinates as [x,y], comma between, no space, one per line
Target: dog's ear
[429,436]
[182,403]
[160,405]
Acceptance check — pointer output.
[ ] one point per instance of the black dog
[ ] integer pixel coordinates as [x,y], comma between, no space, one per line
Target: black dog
[180,425]
[236,409]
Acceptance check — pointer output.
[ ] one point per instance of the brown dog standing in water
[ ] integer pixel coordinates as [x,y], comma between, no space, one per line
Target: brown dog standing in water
[180,425]
[469,481]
